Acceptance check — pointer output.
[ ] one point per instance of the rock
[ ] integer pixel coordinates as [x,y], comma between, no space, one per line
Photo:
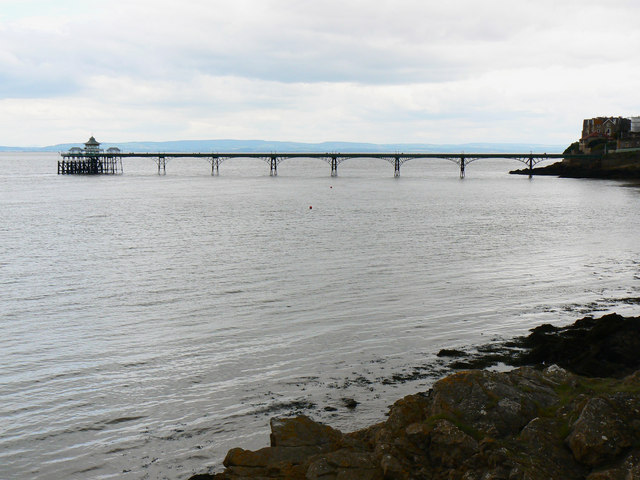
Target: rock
[345,464]
[294,442]
[392,467]
[350,403]
[410,409]
[602,347]
[238,457]
[301,431]
[599,434]
[627,469]
[542,440]
[450,446]
[526,424]
[419,434]
[493,403]
[451,352]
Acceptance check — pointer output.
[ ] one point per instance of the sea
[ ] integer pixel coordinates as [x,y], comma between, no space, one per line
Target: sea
[149,323]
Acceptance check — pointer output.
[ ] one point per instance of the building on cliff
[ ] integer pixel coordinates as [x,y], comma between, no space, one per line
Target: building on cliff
[610,133]
[602,130]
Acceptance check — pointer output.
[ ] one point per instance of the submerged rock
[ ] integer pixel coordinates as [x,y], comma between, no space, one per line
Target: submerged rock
[525,424]
[350,403]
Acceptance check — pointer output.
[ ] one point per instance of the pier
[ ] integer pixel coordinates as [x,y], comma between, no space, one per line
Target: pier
[94,161]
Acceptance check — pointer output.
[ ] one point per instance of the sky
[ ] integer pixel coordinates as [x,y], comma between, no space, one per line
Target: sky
[381,71]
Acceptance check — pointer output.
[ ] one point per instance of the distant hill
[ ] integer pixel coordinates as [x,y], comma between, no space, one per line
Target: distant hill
[190,146]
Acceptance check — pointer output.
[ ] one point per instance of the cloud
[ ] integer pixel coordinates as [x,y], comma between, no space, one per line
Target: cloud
[306,70]
[393,42]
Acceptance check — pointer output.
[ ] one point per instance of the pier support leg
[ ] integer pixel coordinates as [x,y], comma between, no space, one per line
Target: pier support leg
[396,167]
[215,164]
[462,167]
[162,166]
[274,167]
[530,167]
[334,166]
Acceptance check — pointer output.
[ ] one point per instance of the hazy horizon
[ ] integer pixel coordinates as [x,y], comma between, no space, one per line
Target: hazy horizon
[257,145]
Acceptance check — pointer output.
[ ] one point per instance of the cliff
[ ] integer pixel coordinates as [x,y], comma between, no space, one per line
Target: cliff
[533,423]
[621,166]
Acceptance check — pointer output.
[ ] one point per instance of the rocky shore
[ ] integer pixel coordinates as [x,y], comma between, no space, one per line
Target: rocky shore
[571,410]
[619,166]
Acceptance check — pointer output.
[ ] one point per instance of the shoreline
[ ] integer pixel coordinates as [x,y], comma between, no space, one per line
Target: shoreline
[591,361]
[614,166]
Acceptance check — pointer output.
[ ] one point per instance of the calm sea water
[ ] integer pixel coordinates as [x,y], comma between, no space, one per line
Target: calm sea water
[149,324]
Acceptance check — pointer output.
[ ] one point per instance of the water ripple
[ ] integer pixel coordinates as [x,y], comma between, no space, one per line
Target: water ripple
[150,324]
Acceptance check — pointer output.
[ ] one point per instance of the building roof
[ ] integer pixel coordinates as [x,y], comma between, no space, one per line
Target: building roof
[92,141]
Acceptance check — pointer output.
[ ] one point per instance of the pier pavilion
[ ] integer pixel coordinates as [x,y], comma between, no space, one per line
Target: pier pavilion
[91,160]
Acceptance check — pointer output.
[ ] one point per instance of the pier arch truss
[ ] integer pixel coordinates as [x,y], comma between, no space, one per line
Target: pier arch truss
[399,159]
[273,160]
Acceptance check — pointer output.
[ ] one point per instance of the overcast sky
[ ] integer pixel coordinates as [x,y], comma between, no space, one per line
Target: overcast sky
[427,71]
